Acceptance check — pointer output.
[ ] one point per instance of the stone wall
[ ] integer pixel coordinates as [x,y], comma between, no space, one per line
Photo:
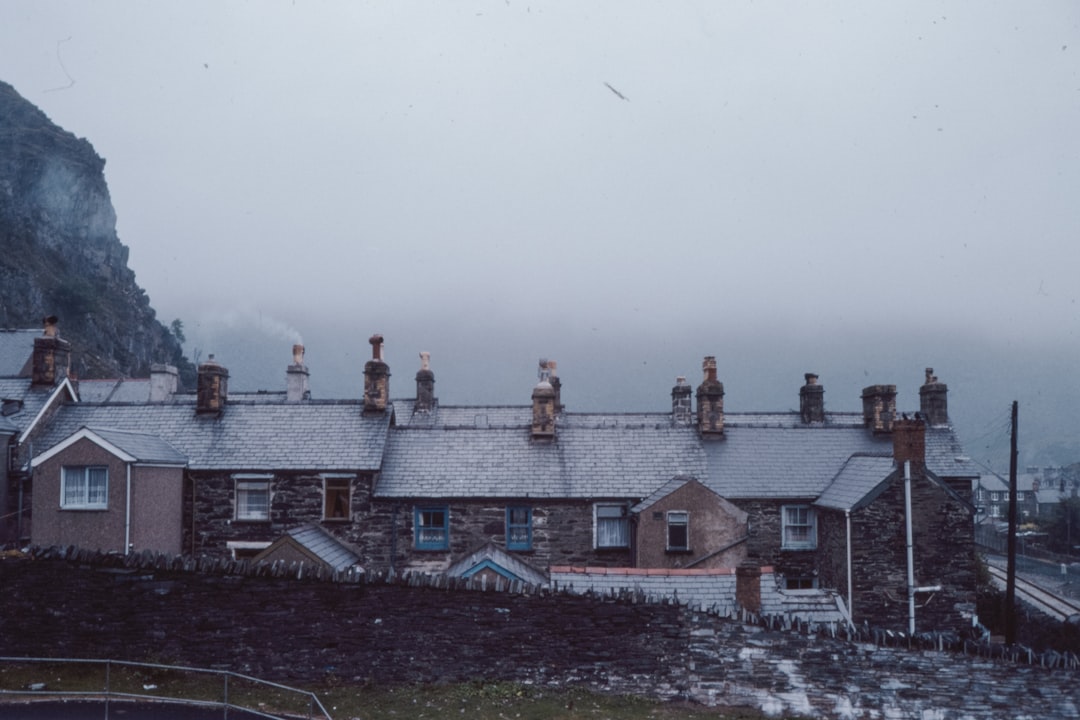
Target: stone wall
[419,628]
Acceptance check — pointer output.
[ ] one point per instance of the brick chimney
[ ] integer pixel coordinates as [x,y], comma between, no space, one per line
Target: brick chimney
[213,388]
[682,413]
[52,356]
[933,400]
[710,402]
[812,400]
[543,405]
[297,387]
[425,385]
[879,407]
[164,380]
[909,442]
[376,379]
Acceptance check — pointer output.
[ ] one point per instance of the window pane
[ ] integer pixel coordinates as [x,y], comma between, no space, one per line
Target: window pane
[432,532]
[97,486]
[612,533]
[74,485]
[677,537]
[519,528]
[337,499]
[678,530]
[252,500]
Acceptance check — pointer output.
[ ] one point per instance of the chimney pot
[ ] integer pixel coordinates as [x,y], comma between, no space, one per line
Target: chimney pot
[710,400]
[297,385]
[934,400]
[544,408]
[376,379]
[425,385]
[879,408]
[52,356]
[681,412]
[812,400]
[164,380]
[556,384]
[213,388]
[909,442]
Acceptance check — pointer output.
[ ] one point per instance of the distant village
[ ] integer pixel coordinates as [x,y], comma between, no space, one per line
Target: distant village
[856,516]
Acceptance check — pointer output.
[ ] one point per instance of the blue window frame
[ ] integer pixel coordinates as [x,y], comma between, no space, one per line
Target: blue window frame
[431,525]
[518,528]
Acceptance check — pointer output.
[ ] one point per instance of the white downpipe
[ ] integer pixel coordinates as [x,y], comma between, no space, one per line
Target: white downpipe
[127,514]
[910,549]
[850,609]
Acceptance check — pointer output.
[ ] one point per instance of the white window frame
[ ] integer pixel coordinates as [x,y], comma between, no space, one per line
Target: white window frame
[809,542]
[76,492]
[251,483]
[676,518]
[604,514]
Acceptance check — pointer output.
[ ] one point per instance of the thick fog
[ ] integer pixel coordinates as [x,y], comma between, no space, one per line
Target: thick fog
[854,189]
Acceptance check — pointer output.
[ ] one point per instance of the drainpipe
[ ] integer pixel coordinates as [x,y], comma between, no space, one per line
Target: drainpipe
[850,609]
[393,536]
[127,514]
[910,549]
[22,486]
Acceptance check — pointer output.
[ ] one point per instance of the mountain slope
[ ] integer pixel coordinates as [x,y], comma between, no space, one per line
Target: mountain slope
[60,254]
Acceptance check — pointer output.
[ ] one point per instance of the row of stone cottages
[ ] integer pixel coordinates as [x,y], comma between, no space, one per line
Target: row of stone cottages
[801,507]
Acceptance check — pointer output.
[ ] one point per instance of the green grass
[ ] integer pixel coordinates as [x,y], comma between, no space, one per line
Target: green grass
[474,700]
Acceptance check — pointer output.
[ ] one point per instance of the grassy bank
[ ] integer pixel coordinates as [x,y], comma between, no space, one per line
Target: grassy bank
[344,701]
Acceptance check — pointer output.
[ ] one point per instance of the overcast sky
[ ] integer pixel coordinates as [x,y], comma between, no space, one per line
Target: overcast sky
[692,172]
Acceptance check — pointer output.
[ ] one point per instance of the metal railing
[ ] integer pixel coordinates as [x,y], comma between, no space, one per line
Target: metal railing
[278,702]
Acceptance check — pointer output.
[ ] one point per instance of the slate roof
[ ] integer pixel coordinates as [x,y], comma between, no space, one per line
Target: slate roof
[258,436]
[775,455]
[856,482]
[497,556]
[122,390]
[16,352]
[33,400]
[145,448]
[324,546]
[448,455]
[486,451]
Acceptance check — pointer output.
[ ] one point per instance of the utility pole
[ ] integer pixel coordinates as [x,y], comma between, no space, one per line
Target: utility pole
[1010,583]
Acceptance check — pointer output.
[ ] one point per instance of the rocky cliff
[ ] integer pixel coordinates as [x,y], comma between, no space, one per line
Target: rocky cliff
[60,254]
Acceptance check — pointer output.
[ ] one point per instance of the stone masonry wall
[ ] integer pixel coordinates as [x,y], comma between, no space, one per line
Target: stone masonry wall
[432,628]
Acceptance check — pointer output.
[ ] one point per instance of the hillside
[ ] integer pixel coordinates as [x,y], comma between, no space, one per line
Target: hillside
[61,254]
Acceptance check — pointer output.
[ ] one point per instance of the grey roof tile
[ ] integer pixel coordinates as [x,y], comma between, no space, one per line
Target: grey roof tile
[312,435]
[325,546]
[32,400]
[16,352]
[860,475]
[593,455]
[144,447]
